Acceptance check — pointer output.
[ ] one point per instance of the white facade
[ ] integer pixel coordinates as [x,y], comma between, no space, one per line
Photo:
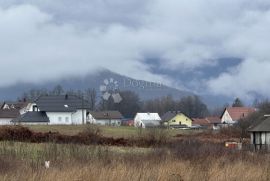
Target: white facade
[5,121]
[226,118]
[92,120]
[67,118]
[145,119]
[28,108]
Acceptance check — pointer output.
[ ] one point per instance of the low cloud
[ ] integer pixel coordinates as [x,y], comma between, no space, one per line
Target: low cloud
[47,40]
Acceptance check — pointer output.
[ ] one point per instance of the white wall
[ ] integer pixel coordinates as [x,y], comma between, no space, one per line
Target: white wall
[77,117]
[67,118]
[59,117]
[115,122]
[5,121]
[226,118]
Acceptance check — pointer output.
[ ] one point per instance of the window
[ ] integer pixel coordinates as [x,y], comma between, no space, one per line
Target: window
[173,121]
[67,119]
[60,119]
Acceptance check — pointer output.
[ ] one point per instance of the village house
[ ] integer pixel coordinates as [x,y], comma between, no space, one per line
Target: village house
[207,123]
[260,134]
[59,109]
[113,118]
[176,119]
[32,118]
[144,120]
[7,115]
[232,115]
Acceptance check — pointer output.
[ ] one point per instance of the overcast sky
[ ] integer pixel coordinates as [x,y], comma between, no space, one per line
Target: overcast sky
[43,40]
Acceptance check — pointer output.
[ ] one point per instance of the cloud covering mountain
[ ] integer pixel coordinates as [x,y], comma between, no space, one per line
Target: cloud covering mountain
[144,39]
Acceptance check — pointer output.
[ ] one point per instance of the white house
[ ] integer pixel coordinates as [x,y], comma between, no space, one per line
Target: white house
[232,115]
[105,117]
[144,120]
[60,110]
[7,115]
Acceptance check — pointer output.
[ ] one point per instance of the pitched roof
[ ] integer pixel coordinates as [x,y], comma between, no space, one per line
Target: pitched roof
[200,121]
[148,116]
[262,126]
[237,113]
[17,105]
[32,117]
[9,113]
[169,115]
[106,114]
[213,119]
[61,103]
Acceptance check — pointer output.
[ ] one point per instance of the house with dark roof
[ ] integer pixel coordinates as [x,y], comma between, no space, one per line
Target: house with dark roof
[63,109]
[6,115]
[32,118]
[232,115]
[176,119]
[260,134]
[113,118]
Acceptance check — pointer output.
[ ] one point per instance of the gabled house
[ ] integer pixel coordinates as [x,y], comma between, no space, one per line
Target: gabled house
[113,118]
[207,123]
[176,119]
[63,109]
[232,115]
[32,118]
[22,106]
[144,120]
[6,115]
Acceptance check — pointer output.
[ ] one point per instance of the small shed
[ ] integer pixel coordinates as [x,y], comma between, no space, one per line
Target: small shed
[260,134]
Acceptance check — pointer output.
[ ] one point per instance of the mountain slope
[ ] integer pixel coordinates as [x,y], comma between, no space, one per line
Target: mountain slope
[146,90]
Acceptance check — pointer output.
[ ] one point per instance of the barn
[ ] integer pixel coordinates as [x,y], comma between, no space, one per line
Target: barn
[260,134]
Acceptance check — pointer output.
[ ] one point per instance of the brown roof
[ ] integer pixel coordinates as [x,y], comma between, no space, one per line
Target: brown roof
[200,121]
[17,105]
[7,113]
[238,113]
[213,119]
[106,114]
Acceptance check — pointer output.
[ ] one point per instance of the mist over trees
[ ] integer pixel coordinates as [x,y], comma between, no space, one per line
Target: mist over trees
[192,106]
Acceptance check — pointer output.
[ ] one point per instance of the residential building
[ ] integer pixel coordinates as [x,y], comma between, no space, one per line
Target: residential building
[176,119]
[7,115]
[113,118]
[232,115]
[32,118]
[63,109]
[144,120]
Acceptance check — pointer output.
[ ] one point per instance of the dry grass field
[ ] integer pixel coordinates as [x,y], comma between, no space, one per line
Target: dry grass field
[25,161]
[184,158]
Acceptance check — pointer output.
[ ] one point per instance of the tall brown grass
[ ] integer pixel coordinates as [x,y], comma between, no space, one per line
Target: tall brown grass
[206,161]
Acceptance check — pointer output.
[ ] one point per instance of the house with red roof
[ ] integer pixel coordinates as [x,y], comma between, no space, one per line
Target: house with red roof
[232,115]
[207,122]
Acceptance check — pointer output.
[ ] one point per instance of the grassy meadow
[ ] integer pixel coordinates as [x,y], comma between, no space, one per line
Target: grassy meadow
[187,159]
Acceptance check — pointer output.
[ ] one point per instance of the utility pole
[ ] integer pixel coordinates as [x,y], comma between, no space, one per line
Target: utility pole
[82,109]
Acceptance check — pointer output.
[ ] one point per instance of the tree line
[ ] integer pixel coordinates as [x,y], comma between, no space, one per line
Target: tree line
[192,106]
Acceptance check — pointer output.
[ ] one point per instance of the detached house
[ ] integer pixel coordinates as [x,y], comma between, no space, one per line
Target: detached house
[105,117]
[59,110]
[7,115]
[232,115]
[176,119]
[10,111]
[144,120]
